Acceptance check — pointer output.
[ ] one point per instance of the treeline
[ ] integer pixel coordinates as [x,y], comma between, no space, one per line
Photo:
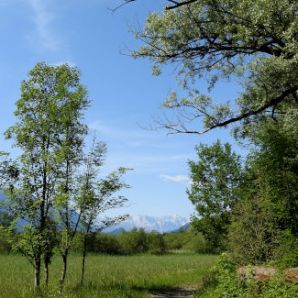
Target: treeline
[137,241]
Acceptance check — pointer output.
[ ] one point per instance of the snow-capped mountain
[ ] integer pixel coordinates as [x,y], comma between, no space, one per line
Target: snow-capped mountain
[150,223]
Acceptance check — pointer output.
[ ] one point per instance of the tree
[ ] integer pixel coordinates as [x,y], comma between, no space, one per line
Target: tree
[216,178]
[71,140]
[50,98]
[256,41]
[96,196]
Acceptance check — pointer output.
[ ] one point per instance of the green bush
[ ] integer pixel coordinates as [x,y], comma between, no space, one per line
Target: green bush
[197,243]
[253,234]
[286,253]
[106,244]
[134,242]
[157,245]
[223,281]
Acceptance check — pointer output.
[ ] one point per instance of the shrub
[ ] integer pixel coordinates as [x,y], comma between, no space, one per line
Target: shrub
[157,244]
[286,253]
[253,235]
[223,281]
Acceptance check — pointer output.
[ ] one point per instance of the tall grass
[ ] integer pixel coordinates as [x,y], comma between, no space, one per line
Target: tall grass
[107,276]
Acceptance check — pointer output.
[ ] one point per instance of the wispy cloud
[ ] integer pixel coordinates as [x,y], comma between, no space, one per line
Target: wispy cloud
[144,151]
[176,178]
[130,137]
[43,20]
[146,163]
[118,133]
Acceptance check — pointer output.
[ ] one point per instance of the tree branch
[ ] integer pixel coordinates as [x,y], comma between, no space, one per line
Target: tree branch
[177,4]
[273,102]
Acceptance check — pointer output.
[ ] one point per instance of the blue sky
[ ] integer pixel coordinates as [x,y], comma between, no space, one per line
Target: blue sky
[125,96]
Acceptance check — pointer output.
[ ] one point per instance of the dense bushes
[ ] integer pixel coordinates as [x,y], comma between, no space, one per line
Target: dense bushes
[223,281]
[253,235]
[139,241]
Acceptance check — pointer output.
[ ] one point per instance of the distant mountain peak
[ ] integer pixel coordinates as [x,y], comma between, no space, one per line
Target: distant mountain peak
[162,224]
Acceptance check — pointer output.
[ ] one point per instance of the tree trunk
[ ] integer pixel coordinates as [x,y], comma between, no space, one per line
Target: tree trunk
[84,259]
[37,275]
[46,273]
[64,270]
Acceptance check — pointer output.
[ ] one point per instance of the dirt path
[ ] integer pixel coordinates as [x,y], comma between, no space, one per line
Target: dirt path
[174,293]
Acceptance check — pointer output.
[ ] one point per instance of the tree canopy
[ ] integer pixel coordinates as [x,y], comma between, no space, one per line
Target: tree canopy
[256,41]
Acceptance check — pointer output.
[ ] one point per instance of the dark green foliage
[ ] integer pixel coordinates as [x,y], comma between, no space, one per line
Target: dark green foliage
[176,241]
[253,233]
[5,218]
[104,244]
[265,220]
[134,242]
[138,241]
[157,245]
[286,253]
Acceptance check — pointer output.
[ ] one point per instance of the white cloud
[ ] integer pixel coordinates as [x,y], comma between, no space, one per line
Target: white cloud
[43,19]
[176,178]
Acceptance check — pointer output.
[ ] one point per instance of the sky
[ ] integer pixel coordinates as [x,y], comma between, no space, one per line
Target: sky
[125,97]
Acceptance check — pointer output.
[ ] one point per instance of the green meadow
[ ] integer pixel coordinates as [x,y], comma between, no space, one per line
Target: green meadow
[109,276]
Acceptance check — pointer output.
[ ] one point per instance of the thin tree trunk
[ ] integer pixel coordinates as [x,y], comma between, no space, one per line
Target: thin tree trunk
[84,259]
[37,275]
[64,270]
[46,273]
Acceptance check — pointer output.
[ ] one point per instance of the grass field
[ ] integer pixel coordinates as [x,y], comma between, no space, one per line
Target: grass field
[108,276]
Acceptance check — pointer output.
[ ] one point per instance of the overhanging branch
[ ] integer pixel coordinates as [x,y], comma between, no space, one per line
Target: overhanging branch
[181,3]
[272,103]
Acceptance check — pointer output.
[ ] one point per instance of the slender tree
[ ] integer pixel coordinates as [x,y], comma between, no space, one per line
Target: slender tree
[48,99]
[71,142]
[96,196]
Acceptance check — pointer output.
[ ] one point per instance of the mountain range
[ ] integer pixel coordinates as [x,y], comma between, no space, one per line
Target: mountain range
[162,224]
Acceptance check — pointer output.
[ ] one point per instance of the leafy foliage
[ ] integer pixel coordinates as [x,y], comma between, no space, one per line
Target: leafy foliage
[216,178]
[223,281]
